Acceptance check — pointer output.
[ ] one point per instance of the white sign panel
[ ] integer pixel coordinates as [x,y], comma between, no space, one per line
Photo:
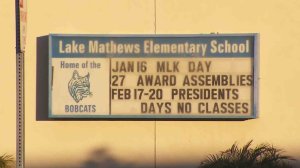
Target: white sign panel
[180,76]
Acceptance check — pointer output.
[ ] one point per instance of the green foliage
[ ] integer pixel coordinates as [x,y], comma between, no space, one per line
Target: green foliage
[262,156]
[6,161]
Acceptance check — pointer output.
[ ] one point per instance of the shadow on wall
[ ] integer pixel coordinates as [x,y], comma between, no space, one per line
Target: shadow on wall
[42,78]
[101,158]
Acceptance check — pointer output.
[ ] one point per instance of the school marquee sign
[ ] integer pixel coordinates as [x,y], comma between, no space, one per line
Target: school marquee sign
[153,76]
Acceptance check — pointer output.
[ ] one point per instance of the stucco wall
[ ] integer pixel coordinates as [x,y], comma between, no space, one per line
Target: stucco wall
[136,143]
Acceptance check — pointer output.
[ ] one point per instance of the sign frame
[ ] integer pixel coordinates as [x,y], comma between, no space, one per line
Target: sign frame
[255,91]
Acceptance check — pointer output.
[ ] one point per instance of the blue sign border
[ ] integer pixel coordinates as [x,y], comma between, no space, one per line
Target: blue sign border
[254,114]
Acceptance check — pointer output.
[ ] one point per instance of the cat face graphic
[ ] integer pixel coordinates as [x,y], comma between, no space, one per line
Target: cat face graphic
[79,87]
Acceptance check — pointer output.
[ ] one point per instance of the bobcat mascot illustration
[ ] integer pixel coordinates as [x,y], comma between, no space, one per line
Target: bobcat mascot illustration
[79,87]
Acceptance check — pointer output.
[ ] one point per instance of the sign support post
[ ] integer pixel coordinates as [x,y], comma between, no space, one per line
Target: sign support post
[20,111]
[21,20]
